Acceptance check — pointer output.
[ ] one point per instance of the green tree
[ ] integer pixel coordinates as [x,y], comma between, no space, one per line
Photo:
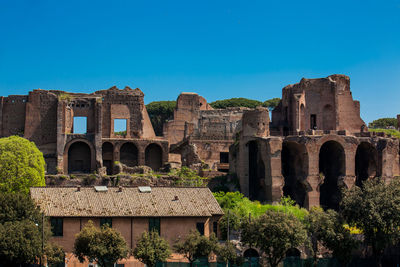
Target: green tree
[159,112]
[272,103]
[103,245]
[195,246]
[151,248]
[236,102]
[21,165]
[327,228]
[375,209]
[54,253]
[20,230]
[227,253]
[274,233]
[383,123]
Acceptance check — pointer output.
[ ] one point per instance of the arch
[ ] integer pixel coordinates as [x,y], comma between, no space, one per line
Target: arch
[366,162]
[251,253]
[79,157]
[108,156]
[294,160]
[328,118]
[153,156]
[128,154]
[332,169]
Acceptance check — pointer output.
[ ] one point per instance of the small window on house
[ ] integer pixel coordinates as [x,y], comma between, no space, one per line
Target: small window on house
[200,227]
[56,226]
[215,228]
[120,127]
[224,157]
[80,125]
[154,225]
[106,221]
[313,121]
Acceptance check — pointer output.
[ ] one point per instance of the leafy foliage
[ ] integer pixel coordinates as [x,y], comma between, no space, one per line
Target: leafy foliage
[375,209]
[159,112]
[195,246]
[274,233]
[227,253]
[20,229]
[236,102]
[103,245]
[328,228]
[54,253]
[271,103]
[151,248]
[188,177]
[21,165]
[392,132]
[238,208]
[383,123]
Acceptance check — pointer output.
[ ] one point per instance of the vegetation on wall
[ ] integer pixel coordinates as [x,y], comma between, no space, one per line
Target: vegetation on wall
[21,165]
[391,132]
[244,102]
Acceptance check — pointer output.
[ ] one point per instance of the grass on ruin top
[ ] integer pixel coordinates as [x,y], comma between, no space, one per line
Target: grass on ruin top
[392,132]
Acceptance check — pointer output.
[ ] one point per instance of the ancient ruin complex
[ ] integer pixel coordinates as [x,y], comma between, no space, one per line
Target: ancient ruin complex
[314,144]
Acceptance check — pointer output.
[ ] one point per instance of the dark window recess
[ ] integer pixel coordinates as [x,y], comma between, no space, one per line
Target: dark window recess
[56,226]
[106,221]
[215,228]
[154,225]
[224,157]
[200,228]
[313,121]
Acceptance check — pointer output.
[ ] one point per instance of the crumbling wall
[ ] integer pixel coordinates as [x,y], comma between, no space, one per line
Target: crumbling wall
[13,115]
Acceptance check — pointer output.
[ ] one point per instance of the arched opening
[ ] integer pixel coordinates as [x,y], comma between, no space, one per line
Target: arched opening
[293,253]
[108,157]
[251,253]
[332,167]
[256,173]
[294,159]
[366,162]
[328,118]
[128,155]
[79,158]
[154,156]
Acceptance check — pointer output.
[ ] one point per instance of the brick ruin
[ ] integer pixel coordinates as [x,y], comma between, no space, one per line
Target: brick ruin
[315,144]
[47,118]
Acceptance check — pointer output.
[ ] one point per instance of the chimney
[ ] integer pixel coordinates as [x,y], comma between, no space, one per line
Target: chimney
[176,198]
[78,188]
[120,189]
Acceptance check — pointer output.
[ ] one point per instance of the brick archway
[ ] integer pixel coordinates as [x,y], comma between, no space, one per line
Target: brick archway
[79,157]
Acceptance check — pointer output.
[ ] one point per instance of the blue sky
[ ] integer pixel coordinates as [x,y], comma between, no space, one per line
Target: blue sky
[219,49]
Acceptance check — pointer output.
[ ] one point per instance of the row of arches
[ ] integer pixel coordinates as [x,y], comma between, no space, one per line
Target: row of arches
[81,156]
[332,170]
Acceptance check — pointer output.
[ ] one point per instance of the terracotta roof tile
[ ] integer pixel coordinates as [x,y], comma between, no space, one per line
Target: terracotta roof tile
[69,202]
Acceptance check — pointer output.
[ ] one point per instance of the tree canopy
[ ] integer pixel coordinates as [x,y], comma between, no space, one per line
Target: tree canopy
[383,123]
[195,246]
[103,245]
[274,233]
[159,112]
[20,230]
[151,248]
[244,102]
[375,209]
[21,165]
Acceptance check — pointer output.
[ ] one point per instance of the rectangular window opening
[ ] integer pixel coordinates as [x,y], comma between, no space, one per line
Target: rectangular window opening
[224,157]
[154,225]
[106,221]
[215,228]
[313,122]
[200,227]
[80,125]
[56,226]
[120,126]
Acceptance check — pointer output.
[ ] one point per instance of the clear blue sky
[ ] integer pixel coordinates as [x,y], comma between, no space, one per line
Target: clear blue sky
[219,49]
